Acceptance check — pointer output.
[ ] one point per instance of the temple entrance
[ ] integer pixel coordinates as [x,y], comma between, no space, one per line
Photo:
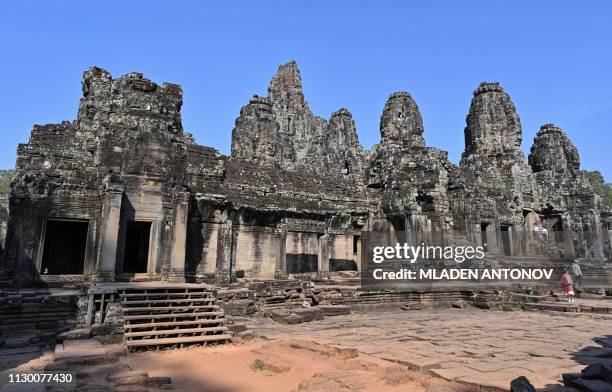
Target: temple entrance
[136,252]
[64,247]
[506,239]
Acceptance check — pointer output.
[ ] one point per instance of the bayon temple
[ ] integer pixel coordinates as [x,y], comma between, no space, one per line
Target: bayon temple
[124,193]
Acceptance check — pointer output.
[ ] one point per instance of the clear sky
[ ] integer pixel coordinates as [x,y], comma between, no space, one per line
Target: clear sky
[553,57]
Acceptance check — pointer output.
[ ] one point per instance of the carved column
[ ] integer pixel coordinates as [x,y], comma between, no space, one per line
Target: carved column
[179,239]
[363,255]
[323,253]
[111,213]
[281,259]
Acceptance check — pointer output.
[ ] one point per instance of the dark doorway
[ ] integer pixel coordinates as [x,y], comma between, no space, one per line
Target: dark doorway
[505,236]
[483,235]
[557,228]
[64,248]
[136,254]
[301,263]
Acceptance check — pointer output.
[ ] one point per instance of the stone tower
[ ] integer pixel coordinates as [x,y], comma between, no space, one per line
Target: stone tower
[295,139]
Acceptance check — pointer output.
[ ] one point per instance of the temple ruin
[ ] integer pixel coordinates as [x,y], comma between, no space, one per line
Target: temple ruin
[124,193]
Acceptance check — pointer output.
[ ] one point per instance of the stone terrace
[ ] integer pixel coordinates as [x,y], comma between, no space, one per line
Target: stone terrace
[472,346]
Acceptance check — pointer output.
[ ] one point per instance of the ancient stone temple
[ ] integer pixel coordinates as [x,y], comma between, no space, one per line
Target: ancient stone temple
[124,193]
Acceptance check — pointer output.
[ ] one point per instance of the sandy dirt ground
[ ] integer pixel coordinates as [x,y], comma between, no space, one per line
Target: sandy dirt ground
[284,365]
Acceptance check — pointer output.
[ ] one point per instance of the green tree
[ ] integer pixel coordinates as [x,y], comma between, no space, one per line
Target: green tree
[601,187]
[5,180]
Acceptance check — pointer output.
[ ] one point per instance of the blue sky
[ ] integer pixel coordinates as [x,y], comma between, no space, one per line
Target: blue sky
[553,57]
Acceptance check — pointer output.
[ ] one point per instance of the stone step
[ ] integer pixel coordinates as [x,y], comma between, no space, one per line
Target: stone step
[169,308]
[157,294]
[166,301]
[567,307]
[34,320]
[175,331]
[37,314]
[172,323]
[171,315]
[183,340]
[33,307]
[180,315]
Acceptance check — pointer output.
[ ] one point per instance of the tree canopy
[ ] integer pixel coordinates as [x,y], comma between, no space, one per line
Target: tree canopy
[601,187]
[5,180]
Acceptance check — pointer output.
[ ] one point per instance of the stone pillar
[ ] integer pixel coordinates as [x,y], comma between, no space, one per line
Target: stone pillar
[494,241]
[597,234]
[364,256]
[90,250]
[359,254]
[608,248]
[224,252]
[568,237]
[179,239]
[323,255]
[111,213]
[281,259]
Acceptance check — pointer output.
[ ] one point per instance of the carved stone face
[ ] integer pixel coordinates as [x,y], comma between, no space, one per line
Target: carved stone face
[265,147]
[375,176]
[401,120]
[268,151]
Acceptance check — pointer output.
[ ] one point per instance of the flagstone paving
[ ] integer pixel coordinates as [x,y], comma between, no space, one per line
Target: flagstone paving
[472,346]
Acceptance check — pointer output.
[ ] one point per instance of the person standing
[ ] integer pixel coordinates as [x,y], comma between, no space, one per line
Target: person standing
[568,286]
[576,273]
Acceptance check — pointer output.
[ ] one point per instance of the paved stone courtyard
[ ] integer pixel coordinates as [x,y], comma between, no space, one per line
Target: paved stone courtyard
[471,346]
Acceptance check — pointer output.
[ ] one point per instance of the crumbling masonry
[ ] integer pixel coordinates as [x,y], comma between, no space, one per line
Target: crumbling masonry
[124,193]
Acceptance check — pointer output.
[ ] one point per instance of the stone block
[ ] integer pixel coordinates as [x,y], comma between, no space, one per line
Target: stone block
[334,310]
[100,329]
[158,382]
[237,328]
[79,350]
[79,333]
[460,304]
[521,384]
[246,335]
[240,307]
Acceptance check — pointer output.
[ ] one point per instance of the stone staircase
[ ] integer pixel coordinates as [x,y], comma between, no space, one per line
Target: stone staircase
[29,309]
[167,317]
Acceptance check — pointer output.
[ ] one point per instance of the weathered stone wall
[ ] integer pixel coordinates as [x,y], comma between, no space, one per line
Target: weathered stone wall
[302,252]
[342,253]
[256,251]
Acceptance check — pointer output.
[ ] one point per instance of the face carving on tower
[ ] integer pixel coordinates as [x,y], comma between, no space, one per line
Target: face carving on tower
[401,120]
[265,148]
[553,151]
[256,135]
[493,126]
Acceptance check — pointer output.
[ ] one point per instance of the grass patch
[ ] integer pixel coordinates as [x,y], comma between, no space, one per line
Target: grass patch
[258,366]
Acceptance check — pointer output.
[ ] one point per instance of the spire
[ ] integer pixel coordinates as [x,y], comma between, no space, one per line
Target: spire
[285,88]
